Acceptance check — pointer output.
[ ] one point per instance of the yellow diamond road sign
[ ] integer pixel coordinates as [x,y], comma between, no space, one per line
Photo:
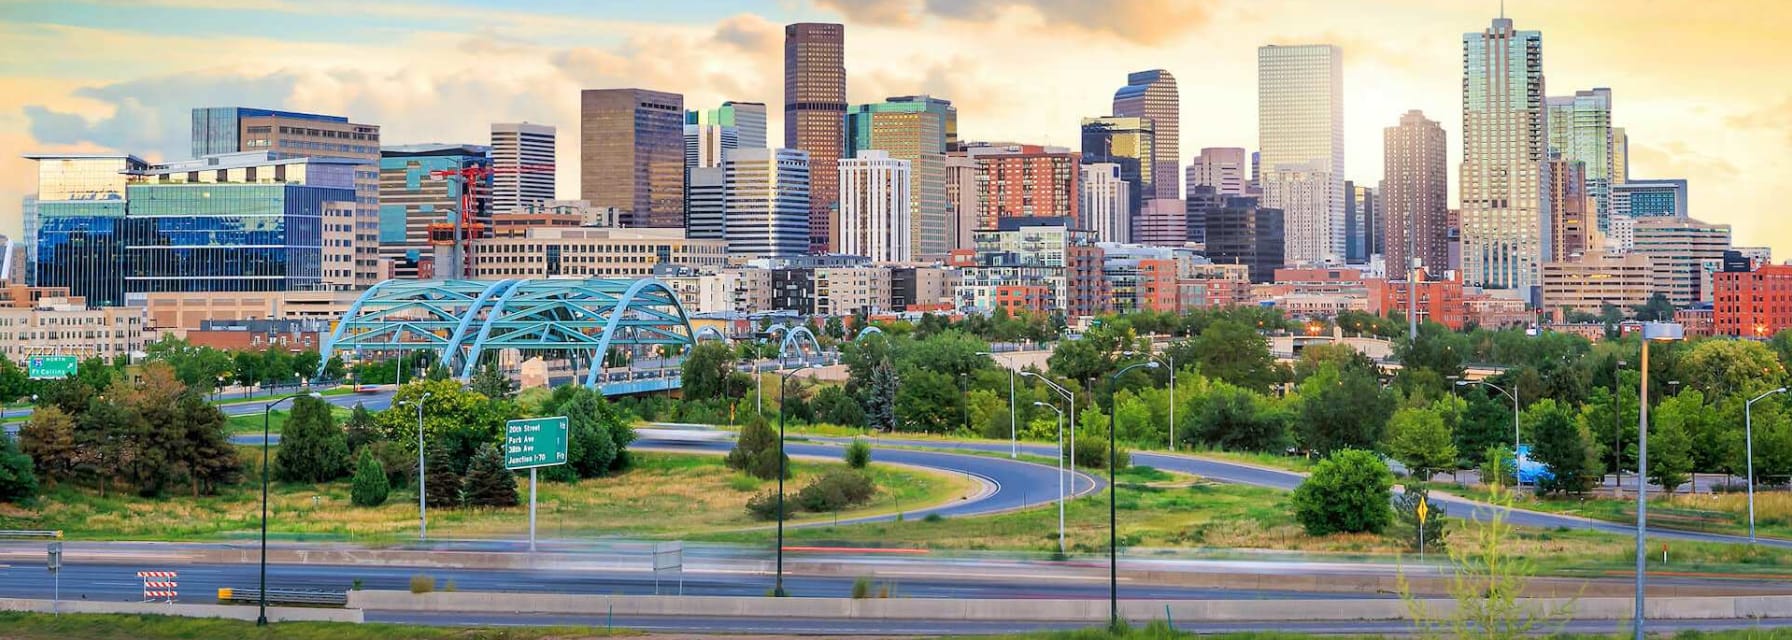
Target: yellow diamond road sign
[1424,508]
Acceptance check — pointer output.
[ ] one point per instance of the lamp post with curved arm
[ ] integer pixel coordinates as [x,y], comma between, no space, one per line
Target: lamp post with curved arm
[783,384]
[1060,413]
[1113,510]
[1652,332]
[1068,397]
[267,410]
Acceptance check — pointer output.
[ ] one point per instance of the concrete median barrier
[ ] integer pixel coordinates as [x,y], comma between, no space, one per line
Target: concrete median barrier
[230,612]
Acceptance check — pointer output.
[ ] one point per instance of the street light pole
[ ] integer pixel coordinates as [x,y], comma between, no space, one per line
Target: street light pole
[1653,331]
[1060,413]
[783,384]
[422,508]
[267,411]
[1071,398]
[1617,433]
[1748,434]
[1113,510]
[1013,432]
[1513,394]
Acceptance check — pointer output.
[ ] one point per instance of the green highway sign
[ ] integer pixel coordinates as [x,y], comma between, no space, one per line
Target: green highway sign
[535,442]
[50,367]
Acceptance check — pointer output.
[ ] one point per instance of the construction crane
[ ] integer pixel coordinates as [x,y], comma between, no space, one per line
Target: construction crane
[475,182]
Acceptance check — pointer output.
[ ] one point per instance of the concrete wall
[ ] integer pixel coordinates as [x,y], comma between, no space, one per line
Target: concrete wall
[1093,611]
[227,611]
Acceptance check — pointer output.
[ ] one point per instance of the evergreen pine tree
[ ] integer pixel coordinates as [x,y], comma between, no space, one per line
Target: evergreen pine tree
[443,482]
[880,398]
[360,430]
[312,448]
[370,487]
[489,484]
[491,382]
[756,451]
[17,482]
[590,448]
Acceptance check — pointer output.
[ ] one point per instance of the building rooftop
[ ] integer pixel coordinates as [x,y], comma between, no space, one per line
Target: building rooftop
[434,149]
[242,160]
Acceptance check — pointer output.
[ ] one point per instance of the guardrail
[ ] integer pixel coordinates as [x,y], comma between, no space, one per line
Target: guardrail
[27,534]
[302,597]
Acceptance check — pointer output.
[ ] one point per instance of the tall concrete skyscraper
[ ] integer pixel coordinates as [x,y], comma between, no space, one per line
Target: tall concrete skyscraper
[875,206]
[815,116]
[912,128]
[1505,158]
[631,155]
[522,165]
[1580,129]
[1415,195]
[1152,94]
[1300,133]
[1226,169]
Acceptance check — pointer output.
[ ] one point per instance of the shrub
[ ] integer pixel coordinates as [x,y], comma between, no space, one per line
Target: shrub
[370,487]
[743,483]
[764,505]
[756,451]
[489,484]
[861,588]
[1092,453]
[858,454]
[1348,492]
[934,517]
[422,583]
[835,490]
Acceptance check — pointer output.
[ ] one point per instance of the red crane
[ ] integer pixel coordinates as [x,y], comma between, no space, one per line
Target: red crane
[475,183]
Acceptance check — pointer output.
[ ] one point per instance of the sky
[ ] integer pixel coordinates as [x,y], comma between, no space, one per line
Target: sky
[1700,86]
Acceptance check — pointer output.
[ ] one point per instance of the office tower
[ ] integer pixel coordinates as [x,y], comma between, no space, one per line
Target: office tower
[1620,156]
[1686,253]
[351,240]
[1242,232]
[746,118]
[422,229]
[705,206]
[1650,198]
[875,207]
[1152,95]
[1163,223]
[948,115]
[1415,193]
[522,165]
[1300,130]
[912,129]
[1201,200]
[1362,223]
[1580,129]
[1125,141]
[1505,214]
[704,144]
[80,223]
[28,211]
[815,116]
[1106,202]
[766,202]
[631,155]
[1256,185]
[963,204]
[1026,181]
[1594,279]
[1570,204]
[1222,168]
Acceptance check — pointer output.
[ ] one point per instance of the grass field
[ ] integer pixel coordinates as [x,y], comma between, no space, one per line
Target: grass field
[663,494]
[35,626]
[251,423]
[1715,513]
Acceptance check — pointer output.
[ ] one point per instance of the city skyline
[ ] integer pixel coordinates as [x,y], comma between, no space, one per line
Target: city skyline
[1690,116]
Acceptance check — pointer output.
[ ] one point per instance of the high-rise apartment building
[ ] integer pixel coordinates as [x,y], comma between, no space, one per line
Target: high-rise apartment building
[421,213]
[351,239]
[1026,181]
[766,202]
[875,207]
[1300,132]
[912,130]
[1686,253]
[1650,198]
[1226,169]
[1580,129]
[1362,227]
[631,155]
[1571,206]
[1415,192]
[815,116]
[1106,202]
[522,165]
[80,223]
[1125,141]
[1242,232]
[1152,95]
[1505,158]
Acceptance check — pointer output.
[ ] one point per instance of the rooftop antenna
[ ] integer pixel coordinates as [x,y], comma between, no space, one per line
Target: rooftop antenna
[1502,9]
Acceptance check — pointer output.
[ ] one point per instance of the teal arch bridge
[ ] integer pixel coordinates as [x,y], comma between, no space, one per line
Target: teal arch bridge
[586,323]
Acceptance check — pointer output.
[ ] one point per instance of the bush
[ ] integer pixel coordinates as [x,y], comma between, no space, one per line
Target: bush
[370,487]
[835,490]
[861,588]
[1092,453]
[422,583]
[489,484]
[312,448]
[17,482]
[756,451]
[858,454]
[764,505]
[1348,492]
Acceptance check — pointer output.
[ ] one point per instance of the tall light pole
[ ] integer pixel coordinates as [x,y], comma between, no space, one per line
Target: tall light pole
[1652,332]
[1068,397]
[1013,432]
[1060,413]
[422,509]
[1748,435]
[267,410]
[1617,432]
[1168,360]
[783,383]
[1113,509]
[1513,394]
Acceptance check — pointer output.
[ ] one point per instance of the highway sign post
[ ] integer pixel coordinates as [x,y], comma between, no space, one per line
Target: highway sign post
[50,367]
[531,444]
[1424,508]
[668,557]
[55,565]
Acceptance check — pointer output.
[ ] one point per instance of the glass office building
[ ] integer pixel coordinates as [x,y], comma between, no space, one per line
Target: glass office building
[80,209]
[227,237]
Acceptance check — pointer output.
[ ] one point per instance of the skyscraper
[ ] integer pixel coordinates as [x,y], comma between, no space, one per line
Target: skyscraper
[1651,198]
[1504,177]
[80,223]
[1152,94]
[1242,232]
[1300,130]
[765,202]
[420,214]
[1569,206]
[1620,156]
[1125,141]
[815,116]
[1580,129]
[963,203]
[1106,202]
[1362,233]
[912,129]
[522,165]
[1026,181]
[351,238]
[1415,192]
[704,144]
[631,155]
[875,207]
[948,115]
[747,119]
[705,202]
[1223,168]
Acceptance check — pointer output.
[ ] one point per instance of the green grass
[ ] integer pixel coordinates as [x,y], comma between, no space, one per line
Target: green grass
[237,397]
[668,495]
[1160,630]
[36,626]
[250,423]
[1725,513]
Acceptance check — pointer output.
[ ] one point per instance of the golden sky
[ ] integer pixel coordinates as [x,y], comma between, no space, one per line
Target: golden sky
[1702,87]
